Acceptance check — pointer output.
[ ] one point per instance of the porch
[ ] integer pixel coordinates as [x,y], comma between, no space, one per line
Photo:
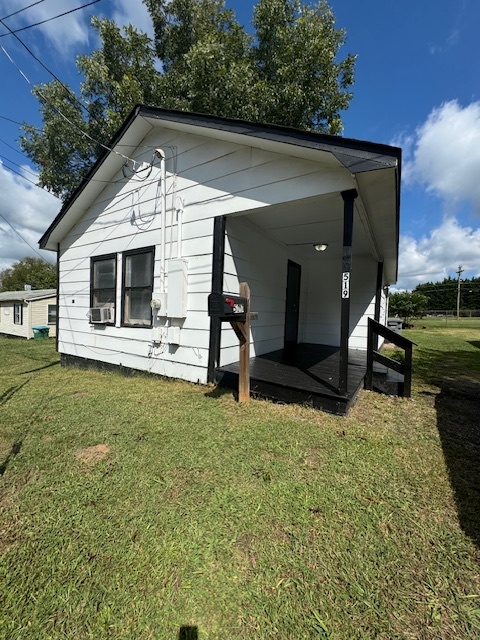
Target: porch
[306,374]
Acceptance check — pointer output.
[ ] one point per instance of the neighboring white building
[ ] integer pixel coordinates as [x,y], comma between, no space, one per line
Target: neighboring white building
[22,310]
[186,204]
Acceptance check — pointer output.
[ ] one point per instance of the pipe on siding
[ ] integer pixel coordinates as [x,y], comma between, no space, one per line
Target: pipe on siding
[180,227]
[163,174]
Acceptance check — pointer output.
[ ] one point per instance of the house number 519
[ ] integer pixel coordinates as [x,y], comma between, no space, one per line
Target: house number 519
[346,285]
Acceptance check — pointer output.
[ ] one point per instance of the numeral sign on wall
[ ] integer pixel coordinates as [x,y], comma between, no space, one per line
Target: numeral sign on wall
[346,285]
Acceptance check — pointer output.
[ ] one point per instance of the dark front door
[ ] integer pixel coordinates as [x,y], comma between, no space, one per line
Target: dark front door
[294,273]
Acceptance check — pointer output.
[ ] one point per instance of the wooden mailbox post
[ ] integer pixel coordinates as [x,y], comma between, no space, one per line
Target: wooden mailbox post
[236,310]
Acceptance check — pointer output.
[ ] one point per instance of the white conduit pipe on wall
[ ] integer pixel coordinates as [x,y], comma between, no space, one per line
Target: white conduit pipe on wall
[179,209]
[163,174]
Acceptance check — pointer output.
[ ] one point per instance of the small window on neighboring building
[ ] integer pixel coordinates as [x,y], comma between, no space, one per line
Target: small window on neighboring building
[137,287]
[103,277]
[18,314]
[52,314]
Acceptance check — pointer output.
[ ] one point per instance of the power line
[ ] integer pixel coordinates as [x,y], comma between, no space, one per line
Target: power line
[10,15]
[36,24]
[69,92]
[11,147]
[84,133]
[10,120]
[445,291]
[24,177]
[18,165]
[22,238]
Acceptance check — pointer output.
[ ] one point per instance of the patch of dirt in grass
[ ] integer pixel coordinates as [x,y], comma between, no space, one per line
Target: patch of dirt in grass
[389,346]
[93,455]
[313,458]
[79,394]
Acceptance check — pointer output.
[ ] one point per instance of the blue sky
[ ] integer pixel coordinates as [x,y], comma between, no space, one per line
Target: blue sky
[417,86]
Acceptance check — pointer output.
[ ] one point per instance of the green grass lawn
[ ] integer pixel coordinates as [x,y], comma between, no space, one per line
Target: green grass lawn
[446,322]
[150,509]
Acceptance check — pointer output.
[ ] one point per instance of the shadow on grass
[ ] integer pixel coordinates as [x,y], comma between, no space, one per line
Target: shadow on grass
[9,393]
[45,366]
[219,392]
[14,451]
[431,366]
[188,633]
[458,424]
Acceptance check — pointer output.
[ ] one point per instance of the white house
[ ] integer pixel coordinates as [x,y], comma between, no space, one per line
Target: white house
[20,311]
[184,204]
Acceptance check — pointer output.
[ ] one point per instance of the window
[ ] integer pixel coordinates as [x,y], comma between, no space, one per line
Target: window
[52,314]
[103,277]
[137,287]
[18,314]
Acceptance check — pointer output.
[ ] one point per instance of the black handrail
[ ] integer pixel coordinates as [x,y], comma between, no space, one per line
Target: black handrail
[376,329]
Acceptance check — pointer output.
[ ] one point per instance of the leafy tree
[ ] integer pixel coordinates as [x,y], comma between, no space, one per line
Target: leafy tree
[407,305]
[117,76]
[288,72]
[33,271]
[442,296]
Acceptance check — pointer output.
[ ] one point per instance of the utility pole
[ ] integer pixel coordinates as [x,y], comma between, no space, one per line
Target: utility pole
[459,273]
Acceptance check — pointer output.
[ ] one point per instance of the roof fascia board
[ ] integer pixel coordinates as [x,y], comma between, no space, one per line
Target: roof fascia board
[347,150]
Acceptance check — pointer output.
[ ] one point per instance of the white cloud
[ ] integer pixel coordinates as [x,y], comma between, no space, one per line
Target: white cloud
[445,155]
[65,33]
[72,31]
[29,210]
[438,254]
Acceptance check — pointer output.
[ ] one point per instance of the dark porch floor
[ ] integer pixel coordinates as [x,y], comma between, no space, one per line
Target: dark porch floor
[309,375]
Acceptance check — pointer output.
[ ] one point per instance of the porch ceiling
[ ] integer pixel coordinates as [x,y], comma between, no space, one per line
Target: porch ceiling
[303,223]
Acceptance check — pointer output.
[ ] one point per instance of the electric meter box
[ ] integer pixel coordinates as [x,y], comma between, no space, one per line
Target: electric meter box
[227,307]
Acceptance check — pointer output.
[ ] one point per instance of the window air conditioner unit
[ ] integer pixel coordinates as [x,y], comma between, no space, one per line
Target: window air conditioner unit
[101,315]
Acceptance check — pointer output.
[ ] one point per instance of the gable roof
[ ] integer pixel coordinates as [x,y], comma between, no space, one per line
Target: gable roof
[355,155]
[27,296]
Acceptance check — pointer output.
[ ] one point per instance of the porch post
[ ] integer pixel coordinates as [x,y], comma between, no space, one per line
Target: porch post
[218,263]
[57,299]
[348,204]
[378,296]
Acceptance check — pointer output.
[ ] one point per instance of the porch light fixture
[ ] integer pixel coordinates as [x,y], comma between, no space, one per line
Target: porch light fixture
[320,247]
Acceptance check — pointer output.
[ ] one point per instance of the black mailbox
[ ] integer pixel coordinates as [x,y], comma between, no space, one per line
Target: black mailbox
[227,307]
